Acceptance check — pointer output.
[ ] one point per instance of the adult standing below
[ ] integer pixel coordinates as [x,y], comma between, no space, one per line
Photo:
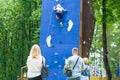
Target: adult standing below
[34,63]
[70,62]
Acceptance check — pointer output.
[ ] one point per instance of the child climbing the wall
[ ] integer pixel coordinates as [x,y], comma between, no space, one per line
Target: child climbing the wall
[59,13]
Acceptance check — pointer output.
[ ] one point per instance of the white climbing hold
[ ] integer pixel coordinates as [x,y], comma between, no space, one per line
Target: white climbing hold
[48,40]
[59,66]
[70,25]
[56,54]
[56,0]
[55,62]
[47,65]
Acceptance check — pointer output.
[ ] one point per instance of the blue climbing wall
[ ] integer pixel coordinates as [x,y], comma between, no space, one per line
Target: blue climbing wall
[57,42]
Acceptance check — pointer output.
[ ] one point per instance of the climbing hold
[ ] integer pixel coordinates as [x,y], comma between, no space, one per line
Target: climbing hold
[53,45]
[48,41]
[57,0]
[60,42]
[62,2]
[55,74]
[55,62]
[59,66]
[56,54]
[47,65]
[53,34]
[70,25]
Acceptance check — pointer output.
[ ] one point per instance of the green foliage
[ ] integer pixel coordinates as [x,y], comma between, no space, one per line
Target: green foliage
[19,30]
[113,30]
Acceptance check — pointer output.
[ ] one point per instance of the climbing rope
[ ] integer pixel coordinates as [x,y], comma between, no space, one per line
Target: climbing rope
[48,30]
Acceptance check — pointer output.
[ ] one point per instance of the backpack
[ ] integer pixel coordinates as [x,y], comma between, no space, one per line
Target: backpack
[86,72]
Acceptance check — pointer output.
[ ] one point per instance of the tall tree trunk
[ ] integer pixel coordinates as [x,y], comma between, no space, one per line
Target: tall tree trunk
[105,53]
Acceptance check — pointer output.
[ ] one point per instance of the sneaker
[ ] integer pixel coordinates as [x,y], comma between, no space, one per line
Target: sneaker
[61,24]
[57,17]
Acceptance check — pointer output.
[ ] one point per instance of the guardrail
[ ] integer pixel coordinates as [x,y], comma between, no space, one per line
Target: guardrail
[23,75]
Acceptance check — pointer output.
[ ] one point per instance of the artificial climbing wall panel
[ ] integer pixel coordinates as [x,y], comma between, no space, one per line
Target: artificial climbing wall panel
[56,42]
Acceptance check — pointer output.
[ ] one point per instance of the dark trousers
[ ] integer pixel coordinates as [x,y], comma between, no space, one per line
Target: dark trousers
[36,78]
[59,15]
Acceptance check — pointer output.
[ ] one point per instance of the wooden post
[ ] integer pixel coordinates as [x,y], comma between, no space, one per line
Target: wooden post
[81,25]
[22,72]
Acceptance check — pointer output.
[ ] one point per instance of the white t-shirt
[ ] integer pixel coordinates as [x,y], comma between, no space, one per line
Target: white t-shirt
[77,69]
[59,9]
[34,66]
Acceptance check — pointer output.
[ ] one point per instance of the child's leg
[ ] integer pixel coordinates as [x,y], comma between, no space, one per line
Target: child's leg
[60,16]
[57,15]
